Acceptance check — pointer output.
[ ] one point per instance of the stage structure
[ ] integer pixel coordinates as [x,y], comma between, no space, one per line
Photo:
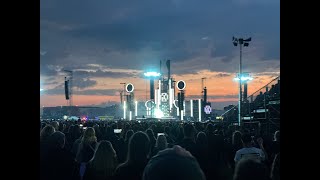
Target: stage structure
[165,104]
[181,85]
[128,106]
[164,96]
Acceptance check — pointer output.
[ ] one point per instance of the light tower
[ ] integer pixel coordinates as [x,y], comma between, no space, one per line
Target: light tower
[245,43]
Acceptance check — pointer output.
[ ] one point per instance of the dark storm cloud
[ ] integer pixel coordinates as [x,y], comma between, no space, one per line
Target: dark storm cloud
[50,83]
[100,73]
[220,75]
[47,70]
[125,34]
[83,82]
[77,82]
[213,97]
[105,92]
[57,90]
[100,92]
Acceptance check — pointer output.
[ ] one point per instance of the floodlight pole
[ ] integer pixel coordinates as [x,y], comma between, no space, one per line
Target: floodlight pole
[241,42]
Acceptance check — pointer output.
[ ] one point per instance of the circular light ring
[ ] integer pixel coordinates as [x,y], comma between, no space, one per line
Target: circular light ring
[149,103]
[181,85]
[174,103]
[129,87]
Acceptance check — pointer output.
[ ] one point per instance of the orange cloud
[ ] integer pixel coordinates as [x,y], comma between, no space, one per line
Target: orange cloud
[218,84]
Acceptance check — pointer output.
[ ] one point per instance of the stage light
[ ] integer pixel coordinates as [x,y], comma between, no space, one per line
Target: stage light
[158,113]
[41,89]
[136,108]
[124,110]
[152,74]
[191,107]
[244,77]
[130,115]
[199,106]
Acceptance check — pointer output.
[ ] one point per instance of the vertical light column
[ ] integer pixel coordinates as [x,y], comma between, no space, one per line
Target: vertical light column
[130,115]
[178,112]
[181,114]
[199,109]
[136,108]
[156,97]
[124,109]
[191,107]
[170,95]
[159,94]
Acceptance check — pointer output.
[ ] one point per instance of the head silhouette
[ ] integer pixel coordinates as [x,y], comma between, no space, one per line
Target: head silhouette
[105,158]
[139,147]
[236,138]
[128,135]
[161,143]
[57,140]
[189,130]
[246,139]
[249,169]
[172,164]
[55,124]
[201,138]
[150,134]
[46,132]
[210,128]
[89,135]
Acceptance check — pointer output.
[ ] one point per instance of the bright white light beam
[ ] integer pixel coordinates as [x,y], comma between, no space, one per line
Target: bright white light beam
[191,107]
[136,108]
[152,74]
[199,109]
[124,109]
[243,78]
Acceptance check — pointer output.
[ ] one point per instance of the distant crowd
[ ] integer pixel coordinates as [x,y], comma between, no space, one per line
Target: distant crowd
[173,150]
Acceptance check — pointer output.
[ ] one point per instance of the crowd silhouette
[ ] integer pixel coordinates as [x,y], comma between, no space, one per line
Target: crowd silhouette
[156,150]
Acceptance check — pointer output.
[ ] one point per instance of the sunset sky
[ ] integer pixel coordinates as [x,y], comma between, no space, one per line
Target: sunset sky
[109,42]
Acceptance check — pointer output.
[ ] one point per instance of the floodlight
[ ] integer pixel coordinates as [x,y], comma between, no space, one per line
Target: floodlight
[152,74]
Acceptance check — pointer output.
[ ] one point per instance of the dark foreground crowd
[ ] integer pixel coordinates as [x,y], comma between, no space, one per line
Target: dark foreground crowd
[132,150]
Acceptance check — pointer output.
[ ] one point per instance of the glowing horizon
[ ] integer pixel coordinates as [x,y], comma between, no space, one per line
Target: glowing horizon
[220,90]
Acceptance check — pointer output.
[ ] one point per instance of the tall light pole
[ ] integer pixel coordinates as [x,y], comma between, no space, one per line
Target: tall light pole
[245,43]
